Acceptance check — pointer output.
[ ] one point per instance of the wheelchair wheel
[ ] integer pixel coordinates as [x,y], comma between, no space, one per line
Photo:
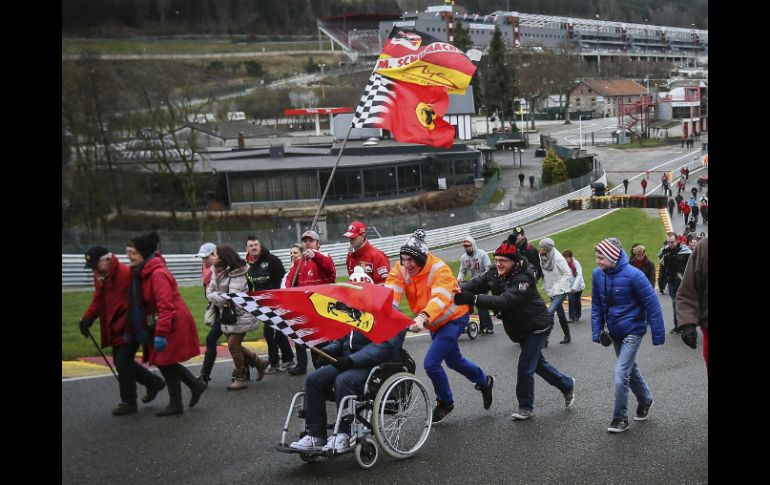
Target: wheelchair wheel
[472,330]
[308,457]
[402,415]
[367,453]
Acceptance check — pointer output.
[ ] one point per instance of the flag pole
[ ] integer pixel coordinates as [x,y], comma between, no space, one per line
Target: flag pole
[331,177]
[324,355]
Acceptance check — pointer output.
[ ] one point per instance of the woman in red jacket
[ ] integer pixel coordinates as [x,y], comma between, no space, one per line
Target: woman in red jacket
[154,297]
[111,282]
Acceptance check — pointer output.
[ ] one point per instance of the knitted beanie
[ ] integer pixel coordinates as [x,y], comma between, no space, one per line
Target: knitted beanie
[610,249]
[416,247]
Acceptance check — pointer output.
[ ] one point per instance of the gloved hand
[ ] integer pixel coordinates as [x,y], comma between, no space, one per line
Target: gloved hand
[690,335]
[85,325]
[465,298]
[160,343]
[343,364]
[309,253]
[418,323]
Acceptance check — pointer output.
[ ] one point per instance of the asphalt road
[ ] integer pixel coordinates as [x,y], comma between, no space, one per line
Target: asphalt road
[229,437]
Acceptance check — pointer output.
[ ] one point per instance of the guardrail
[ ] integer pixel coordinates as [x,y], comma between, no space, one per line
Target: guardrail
[188,267]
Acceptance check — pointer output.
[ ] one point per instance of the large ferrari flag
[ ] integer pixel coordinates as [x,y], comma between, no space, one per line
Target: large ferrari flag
[420,58]
[312,315]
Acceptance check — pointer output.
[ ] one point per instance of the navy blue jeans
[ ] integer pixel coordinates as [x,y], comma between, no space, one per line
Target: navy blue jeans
[485,321]
[130,372]
[345,384]
[673,288]
[575,310]
[211,350]
[445,348]
[531,362]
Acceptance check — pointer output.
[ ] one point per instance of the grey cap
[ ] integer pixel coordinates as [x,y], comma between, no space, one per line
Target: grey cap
[206,250]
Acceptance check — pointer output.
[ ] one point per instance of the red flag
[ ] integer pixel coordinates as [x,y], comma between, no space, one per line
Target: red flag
[415,115]
[315,314]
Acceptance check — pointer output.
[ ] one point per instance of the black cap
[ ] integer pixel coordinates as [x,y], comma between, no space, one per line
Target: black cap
[93,255]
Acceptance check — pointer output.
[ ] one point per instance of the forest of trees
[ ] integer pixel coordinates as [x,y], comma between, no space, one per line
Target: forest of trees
[122,18]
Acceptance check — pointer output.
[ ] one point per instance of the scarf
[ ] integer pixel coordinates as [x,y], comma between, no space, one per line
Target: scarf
[571,264]
[546,262]
[136,330]
[637,262]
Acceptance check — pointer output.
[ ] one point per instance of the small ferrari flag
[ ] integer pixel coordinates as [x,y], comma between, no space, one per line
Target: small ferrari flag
[419,58]
[312,315]
[413,113]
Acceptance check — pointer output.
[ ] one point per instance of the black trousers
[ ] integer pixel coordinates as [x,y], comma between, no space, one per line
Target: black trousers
[130,372]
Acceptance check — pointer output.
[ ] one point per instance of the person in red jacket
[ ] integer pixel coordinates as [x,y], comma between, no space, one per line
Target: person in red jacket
[154,296]
[363,253]
[312,268]
[644,186]
[111,282]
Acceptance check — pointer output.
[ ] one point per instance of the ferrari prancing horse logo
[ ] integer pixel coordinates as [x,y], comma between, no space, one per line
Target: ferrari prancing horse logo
[337,310]
[426,114]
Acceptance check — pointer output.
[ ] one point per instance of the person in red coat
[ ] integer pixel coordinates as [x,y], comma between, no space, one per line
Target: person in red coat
[111,282]
[644,186]
[363,253]
[312,268]
[154,297]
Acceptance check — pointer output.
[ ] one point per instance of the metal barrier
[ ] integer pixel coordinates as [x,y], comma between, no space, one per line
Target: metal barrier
[188,267]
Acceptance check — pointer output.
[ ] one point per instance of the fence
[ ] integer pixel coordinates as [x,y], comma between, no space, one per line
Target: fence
[186,266]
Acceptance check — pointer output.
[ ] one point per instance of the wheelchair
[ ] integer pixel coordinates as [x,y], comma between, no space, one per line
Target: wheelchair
[393,414]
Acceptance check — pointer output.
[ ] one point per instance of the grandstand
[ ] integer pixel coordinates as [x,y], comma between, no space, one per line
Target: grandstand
[355,33]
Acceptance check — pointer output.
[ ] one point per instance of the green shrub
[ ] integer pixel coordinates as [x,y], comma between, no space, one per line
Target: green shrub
[554,170]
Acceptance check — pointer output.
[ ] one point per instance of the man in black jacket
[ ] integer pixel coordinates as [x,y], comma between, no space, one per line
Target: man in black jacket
[525,319]
[265,273]
[673,260]
[526,249]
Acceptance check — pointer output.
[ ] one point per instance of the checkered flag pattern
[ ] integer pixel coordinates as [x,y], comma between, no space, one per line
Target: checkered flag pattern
[377,99]
[294,328]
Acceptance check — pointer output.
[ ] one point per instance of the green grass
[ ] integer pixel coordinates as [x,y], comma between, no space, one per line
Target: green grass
[629,225]
[145,47]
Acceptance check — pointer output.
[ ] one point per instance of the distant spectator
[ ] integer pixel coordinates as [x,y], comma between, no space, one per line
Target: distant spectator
[531,181]
[521,179]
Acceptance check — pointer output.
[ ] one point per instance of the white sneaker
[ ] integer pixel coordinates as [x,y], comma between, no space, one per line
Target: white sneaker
[522,414]
[286,365]
[307,443]
[339,443]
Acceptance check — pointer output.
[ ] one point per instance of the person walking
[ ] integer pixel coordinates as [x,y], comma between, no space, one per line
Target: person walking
[673,261]
[644,186]
[623,301]
[428,284]
[518,239]
[476,262]
[640,261]
[671,206]
[692,299]
[574,305]
[154,295]
[112,280]
[265,272]
[312,268]
[526,321]
[521,179]
[557,282]
[625,185]
[362,253]
[229,276]
[531,181]
[208,253]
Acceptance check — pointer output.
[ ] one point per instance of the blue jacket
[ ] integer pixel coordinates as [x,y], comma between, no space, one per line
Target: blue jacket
[625,298]
[365,353]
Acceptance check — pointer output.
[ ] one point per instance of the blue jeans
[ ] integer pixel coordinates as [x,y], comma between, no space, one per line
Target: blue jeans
[673,288]
[556,307]
[575,310]
[531,362]
[485,321]
[211,349]
[130,372]
[627,375]
[345,383]
[445,348]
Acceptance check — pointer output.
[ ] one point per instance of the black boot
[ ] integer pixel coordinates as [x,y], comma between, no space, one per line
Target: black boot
[196,386]
[174,407]
[566,340]
[565,329]
[152,391]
